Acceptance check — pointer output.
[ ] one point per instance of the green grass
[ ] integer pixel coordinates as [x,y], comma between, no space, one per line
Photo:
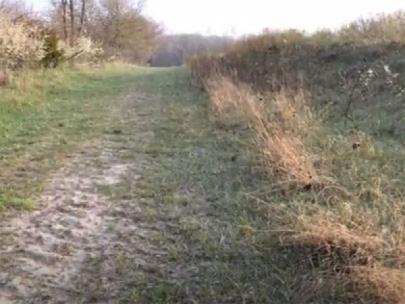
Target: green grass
[44,115]
[194,190]
[215,219]
[229,232]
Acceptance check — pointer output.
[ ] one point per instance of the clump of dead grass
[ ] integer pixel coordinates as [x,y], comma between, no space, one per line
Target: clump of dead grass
[329,237]
[388,284]
[276,132]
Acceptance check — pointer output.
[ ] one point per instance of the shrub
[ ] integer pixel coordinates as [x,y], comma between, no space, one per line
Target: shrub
[383,29]
[54,56]
[21,43]
[84,50]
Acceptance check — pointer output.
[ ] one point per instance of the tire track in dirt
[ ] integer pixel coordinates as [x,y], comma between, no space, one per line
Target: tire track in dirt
[76,246]
[42,250]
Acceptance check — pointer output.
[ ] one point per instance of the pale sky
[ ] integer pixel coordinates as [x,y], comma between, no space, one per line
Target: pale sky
[238,17]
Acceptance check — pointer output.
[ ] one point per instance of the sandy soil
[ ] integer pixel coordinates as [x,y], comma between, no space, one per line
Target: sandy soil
[77,246]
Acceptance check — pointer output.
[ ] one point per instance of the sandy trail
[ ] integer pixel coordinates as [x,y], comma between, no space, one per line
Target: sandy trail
[76,246]
[42,251]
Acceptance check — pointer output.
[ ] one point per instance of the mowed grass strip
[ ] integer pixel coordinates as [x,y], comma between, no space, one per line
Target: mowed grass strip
[196,193]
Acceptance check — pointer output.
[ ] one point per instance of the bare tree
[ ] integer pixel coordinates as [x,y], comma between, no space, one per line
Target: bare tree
[68,18]
[64,19]
[123,30]
[72,22]
[118,24]
[82,17]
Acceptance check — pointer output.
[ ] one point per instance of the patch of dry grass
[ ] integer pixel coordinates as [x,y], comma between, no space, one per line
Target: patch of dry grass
[387,283]
[279,142]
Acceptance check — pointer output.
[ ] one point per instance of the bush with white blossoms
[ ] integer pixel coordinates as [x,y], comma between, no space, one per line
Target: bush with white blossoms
[21,44]
[84,49]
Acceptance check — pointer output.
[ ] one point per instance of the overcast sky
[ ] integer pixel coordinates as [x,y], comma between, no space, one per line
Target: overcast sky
[238,17]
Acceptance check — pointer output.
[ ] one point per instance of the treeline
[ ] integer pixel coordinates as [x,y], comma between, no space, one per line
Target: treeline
[74,30]
[175,49]
[90,31]
[118,25]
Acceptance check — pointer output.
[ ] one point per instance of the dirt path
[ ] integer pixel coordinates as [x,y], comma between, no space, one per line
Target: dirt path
[74,247]
[154,211]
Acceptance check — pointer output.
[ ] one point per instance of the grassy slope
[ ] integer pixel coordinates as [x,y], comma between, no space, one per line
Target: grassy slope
[349,231]
[43,116]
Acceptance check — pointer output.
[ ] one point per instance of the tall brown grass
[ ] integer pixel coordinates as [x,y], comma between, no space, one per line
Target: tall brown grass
[388,283]
[281,148]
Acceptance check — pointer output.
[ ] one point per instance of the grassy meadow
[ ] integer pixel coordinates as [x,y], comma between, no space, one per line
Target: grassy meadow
[273,172]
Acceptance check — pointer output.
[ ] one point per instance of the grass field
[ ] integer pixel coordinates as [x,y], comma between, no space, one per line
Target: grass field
[212,223]
[190,191]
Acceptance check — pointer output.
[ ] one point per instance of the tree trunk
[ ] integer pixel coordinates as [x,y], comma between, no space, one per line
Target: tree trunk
[72,22]
[82,17]
[64,19]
